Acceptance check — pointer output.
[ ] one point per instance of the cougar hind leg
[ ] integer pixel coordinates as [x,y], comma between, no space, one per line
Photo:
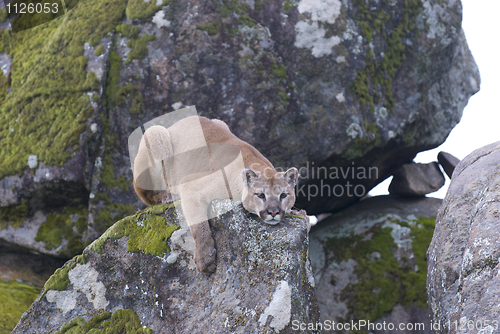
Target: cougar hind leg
[150,174]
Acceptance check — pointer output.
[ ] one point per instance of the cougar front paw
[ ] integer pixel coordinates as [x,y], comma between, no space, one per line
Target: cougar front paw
[205,260]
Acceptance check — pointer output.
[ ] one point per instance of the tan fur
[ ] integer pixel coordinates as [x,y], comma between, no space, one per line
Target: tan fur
[201,160]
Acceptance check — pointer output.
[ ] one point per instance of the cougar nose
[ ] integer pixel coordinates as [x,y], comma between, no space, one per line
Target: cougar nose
[273,213]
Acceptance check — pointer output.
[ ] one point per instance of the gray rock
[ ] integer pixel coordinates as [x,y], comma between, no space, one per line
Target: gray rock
[462,282]
[263,282]
[19,264]
[369,262]
[416,179]
[311,84]
[413,320]
[448,162]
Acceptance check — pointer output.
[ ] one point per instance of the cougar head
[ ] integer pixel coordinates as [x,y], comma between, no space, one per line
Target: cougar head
[270,194]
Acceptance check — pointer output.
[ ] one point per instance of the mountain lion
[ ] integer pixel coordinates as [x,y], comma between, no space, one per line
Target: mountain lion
[201,160]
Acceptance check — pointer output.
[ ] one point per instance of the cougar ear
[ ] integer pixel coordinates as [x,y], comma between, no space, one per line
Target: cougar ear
[291,176]
[248,175]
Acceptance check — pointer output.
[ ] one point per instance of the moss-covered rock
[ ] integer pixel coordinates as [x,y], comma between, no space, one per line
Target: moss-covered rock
[51,81]
[99,50]
[13,215]
[140,277]
[69,226]
[370,260]
[140,9]
[120,321]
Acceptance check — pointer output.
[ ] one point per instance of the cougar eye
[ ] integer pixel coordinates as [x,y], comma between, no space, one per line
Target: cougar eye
[283,195]
[261,195]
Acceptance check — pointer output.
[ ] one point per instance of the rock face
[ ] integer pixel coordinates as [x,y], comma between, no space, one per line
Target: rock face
[463,285]
[263,282]
[416,179]
[311,84]
[448,162]
[369,263]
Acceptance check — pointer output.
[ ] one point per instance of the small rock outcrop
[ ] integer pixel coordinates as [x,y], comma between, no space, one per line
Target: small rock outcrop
[416,179]
[448,162]
[463,283]
[141,273]
[369,263]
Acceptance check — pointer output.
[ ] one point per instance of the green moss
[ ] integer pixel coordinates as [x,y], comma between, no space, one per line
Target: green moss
[159,208]
[233,15]
[3,15]
[60,279]
[129,31]
[360,146]
[5,41]
[4,85]
[279,71]
[415,284]
[246,20]
[211,29]
[139,47]
[92,82]
[109,212]
[229,7]
[140,9]
[99,51]
[15,298]
[383,283]
[48,106]
[288,6]
[108,176]
[113,79]
[61,226]
[377,76]
[147,232]
[150,235]
[29,20]
[284,98]
[129,95]
[14,215]
[121,322]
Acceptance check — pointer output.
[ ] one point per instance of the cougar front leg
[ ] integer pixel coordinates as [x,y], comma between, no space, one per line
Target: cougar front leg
[196,194]
[204,253]
[194,206]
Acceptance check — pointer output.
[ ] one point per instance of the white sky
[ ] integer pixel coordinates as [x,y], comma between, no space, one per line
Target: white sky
[480,124]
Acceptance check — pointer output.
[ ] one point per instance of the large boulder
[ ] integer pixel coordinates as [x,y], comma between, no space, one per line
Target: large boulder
[462,282]
[370,266]
[142,270]
[336,85]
